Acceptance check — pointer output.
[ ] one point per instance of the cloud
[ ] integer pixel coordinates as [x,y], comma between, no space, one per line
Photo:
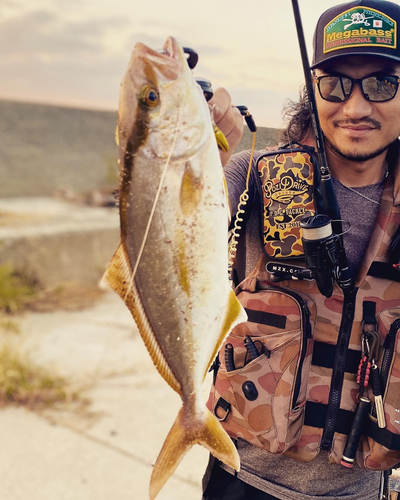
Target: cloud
[44,34]
[7,6]
[65,82]
[44,57]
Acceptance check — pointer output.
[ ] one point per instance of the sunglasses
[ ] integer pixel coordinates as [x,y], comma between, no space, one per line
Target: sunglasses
[375,88]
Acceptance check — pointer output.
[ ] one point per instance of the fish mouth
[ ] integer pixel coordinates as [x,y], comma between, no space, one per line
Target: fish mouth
[169,61]
[171,48]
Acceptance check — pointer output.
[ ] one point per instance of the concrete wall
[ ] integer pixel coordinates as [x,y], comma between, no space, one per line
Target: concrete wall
[265,137]
[46,148]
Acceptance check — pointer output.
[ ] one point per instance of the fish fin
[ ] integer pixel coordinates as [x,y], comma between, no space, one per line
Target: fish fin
[185,432]
[118,276]
[235,314]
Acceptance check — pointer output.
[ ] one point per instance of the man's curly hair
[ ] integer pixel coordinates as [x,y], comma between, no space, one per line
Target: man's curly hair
[298,116]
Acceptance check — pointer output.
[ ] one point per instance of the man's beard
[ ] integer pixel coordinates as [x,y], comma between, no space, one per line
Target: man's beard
[354,155]
[357,156]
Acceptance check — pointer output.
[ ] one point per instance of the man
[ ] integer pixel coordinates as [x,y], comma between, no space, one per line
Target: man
[356,66]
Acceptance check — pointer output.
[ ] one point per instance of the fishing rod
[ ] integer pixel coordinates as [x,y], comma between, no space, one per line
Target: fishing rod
[330,205]
[330,209]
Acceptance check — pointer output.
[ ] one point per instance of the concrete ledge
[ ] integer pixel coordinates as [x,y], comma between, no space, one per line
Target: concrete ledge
[54,241]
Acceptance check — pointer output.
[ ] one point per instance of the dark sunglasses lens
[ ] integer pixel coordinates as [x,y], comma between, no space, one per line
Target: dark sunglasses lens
[380,87]
[334,88]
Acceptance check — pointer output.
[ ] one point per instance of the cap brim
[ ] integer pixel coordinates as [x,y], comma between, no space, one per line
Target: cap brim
[351,54]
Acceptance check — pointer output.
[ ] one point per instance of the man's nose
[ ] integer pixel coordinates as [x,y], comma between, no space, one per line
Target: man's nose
[356,106]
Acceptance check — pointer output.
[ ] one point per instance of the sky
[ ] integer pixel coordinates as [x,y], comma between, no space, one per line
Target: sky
[75,52]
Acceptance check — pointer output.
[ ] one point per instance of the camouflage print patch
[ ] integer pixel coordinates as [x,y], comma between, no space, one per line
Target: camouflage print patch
[287,185]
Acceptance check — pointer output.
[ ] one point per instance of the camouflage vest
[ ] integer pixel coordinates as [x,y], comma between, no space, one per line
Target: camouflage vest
[293,389]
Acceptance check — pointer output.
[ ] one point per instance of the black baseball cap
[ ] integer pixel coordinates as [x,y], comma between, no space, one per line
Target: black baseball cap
[361,27]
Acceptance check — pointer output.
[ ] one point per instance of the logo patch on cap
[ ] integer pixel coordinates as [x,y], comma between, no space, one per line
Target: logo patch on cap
[360,27]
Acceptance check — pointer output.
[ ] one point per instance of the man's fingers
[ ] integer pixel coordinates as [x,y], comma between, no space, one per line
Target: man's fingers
[221,102]
[228,119]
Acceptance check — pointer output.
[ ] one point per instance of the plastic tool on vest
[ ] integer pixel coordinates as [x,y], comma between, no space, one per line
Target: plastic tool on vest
[252,351]
[229,361]
[369,350]
[378,393]
[355,433]
[363,404]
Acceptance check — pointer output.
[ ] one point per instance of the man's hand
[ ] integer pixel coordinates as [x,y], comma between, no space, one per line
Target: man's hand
[228,119]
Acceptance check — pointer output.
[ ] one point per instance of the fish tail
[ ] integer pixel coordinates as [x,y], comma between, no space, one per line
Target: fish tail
[185,432]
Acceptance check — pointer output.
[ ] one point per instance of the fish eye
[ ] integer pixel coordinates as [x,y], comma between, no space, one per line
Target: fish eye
[149,96]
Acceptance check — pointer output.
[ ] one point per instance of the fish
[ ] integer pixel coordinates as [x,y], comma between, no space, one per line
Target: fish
[170,267]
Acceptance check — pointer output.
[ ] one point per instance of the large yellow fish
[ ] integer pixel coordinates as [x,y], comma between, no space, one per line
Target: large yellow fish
[171,265]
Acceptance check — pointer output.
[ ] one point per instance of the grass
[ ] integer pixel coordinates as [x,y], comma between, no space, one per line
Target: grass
[15,289]
[23,383]
[19,293]
[9,326]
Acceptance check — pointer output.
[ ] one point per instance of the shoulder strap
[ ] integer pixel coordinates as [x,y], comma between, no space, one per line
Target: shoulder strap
[384,270]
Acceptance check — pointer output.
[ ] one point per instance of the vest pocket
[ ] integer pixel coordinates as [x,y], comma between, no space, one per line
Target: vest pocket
[382,446]
[263,374]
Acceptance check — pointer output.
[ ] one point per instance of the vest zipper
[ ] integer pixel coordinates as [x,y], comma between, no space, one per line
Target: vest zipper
[388,350]
[338,370]
[305,331]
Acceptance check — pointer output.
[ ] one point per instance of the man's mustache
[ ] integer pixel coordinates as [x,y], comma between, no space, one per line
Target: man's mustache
[363,121]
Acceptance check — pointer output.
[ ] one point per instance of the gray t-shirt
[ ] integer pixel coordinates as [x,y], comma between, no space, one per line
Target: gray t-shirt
[278,475]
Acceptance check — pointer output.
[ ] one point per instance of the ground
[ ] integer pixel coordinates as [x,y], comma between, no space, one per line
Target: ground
[102,446]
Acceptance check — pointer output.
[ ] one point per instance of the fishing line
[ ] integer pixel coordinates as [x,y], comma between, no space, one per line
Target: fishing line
[153,209]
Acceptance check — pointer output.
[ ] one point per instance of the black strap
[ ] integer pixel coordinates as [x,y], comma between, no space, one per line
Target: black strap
[324,355]
[266,318]
[384,270]
[382,436]
[369,312]
[315,415]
